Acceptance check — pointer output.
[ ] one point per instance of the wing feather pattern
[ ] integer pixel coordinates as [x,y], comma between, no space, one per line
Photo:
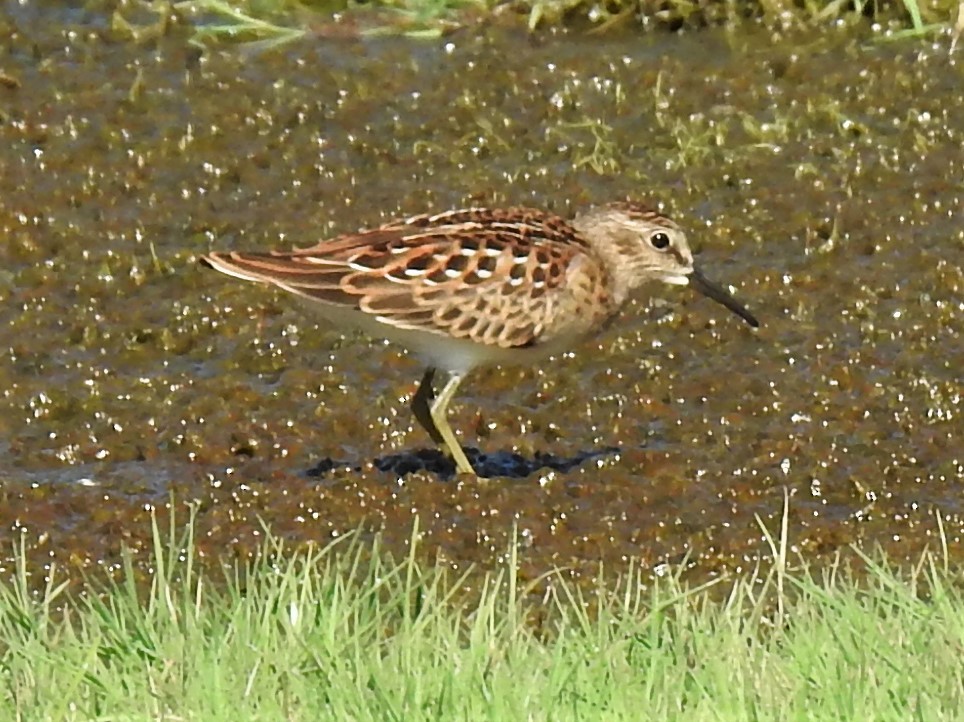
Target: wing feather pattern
[496,277]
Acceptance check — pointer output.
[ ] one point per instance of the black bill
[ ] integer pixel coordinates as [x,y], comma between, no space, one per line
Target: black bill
[709,289]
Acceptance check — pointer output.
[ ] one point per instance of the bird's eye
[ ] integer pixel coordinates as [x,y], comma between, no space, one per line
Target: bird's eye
[660,240]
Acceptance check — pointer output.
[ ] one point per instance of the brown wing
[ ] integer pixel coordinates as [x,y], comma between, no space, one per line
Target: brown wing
[492,276]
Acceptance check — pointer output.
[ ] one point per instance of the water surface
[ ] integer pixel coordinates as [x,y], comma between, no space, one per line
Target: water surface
[820,177]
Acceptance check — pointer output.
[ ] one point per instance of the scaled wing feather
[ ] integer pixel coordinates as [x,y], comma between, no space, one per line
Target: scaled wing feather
[494,277]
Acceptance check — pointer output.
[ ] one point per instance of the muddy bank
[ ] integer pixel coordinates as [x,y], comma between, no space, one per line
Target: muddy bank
[820,177]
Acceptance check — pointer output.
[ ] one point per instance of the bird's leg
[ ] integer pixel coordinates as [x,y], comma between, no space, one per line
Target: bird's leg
[439,411]
[420,406]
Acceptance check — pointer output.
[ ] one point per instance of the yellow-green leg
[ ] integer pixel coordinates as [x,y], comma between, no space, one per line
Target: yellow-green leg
[439,411]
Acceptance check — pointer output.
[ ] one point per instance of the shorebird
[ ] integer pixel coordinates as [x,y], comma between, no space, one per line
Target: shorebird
[481,286]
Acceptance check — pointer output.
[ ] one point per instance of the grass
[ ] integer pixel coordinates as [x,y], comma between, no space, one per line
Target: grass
[261,24]
[342,633]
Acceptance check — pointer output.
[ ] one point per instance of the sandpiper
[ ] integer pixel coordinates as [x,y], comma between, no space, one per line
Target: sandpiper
[482,286]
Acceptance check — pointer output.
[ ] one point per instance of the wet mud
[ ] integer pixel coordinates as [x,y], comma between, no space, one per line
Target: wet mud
[819,177]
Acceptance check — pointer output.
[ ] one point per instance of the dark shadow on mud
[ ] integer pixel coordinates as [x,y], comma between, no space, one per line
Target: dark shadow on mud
[507,464]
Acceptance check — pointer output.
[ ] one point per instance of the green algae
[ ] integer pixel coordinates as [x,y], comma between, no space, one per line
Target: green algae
[817,174]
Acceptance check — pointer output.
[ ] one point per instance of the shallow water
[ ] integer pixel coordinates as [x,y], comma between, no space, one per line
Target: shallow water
[820,177]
